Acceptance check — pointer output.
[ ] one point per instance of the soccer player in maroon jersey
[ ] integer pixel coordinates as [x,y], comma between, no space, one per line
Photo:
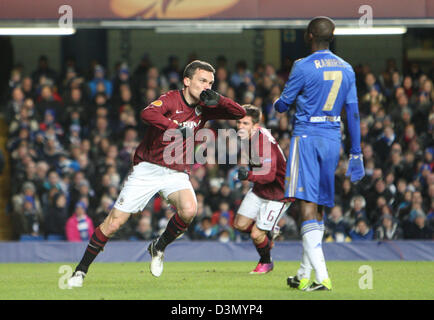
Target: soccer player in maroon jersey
[154,169]
[265,203]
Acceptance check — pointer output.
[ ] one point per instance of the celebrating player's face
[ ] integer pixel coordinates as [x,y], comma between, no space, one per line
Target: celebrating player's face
[201,80]
[245,127]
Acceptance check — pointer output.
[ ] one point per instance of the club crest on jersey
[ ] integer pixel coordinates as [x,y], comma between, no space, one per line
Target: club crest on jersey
[198,110]
[157,103]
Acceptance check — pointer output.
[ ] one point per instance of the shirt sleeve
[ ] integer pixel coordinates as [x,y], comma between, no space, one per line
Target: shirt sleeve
[352,93]
[154,114]
[266,173]
[294,84]
[226,109]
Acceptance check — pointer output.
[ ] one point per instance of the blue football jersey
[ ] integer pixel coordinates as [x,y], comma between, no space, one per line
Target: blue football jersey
[320,84]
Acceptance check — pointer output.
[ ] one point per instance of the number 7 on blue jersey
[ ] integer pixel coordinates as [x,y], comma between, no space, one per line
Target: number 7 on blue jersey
[336,77]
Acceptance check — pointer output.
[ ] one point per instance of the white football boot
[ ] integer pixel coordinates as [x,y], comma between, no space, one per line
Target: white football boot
[76,281]
[157,259]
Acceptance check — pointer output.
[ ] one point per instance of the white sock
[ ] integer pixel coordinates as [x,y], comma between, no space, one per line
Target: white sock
[305,267]
[312,239]
[321,228]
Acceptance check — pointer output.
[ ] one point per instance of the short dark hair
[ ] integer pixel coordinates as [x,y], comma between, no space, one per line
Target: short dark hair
[322,29]
[191,68]
[253,112]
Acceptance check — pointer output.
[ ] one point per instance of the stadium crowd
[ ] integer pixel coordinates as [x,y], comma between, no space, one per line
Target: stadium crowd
[72,135]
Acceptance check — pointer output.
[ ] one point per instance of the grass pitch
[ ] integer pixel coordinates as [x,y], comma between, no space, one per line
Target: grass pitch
[214,281]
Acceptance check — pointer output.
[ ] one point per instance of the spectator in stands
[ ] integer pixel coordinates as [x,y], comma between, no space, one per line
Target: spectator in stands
[389,229]
[357,210]
[205,230]
[49,100]
[56,217]
[13,107]
[103,210]
[99,79]
[122,79]
[27,218]
[224,228]
[225,210]
[44,70]
[79,226]
[337,229]
[75,104]
[361,231]
[144,229]
[417,228]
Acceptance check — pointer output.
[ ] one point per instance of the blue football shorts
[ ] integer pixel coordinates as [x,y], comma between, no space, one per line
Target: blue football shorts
[310,170]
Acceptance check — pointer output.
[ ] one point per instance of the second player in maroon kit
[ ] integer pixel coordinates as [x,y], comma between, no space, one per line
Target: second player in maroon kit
[264,205]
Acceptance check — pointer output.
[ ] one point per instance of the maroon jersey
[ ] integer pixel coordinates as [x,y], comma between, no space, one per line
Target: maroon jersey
[268,175]
[170,111]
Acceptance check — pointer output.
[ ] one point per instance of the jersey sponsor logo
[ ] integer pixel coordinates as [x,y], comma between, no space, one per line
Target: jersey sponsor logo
[157,103]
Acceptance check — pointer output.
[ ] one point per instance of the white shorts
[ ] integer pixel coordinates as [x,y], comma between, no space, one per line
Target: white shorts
[144,181]
[267,213]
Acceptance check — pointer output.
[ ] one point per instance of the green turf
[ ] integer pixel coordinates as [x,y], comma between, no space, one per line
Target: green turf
[214,281]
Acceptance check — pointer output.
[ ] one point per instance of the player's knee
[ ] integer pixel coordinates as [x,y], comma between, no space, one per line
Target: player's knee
[257,235]
[238,226]
[110,226]
[188,212]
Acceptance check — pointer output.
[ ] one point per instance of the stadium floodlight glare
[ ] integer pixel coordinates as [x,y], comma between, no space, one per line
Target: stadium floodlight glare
[344,31]
[36,31]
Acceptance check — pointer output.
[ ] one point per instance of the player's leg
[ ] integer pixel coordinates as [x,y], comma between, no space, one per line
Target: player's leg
[270,213]
[186,204]
[135,194]
[186,208]
[98,240]
[328,157]
[312,242]
[305,270]
[263,246]
[243,223]
[301,174]
[247,212]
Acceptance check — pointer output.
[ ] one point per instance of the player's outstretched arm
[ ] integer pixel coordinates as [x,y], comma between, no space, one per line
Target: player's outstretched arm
[356,169]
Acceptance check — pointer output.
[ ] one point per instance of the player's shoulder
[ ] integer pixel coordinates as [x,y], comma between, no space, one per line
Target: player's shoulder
[344,63]
[166,98]
[265,133]
[300,62]
[172,94]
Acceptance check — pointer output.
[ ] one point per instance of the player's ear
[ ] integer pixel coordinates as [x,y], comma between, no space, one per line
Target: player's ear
[187,82]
